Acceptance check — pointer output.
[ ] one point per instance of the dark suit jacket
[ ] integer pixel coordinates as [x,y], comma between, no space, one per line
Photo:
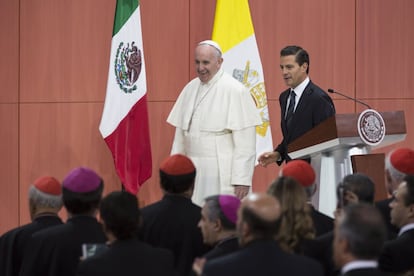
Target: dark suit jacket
[57,250]
[398,255]
[366,272]
[172,223]
[14,243]
[262,257]
[314,107]
[129,257]
[322,251]
[224,247]
[384,207]
[321,222]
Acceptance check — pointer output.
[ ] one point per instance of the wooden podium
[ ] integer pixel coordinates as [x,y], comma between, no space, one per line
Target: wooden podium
[336,150]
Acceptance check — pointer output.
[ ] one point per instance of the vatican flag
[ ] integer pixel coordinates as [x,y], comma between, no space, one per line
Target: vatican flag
[233,31]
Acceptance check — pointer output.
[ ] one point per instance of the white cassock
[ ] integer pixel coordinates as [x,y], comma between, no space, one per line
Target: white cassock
[216,128]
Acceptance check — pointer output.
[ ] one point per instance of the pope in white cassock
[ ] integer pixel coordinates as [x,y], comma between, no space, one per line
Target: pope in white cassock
[215,119]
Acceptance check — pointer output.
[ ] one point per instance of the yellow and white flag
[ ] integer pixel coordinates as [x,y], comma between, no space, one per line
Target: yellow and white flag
[233,31]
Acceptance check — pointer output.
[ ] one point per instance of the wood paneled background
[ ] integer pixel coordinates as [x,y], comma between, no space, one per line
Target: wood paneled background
[54,64]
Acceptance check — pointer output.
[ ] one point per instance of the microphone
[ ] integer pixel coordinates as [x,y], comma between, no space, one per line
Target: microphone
[330,90]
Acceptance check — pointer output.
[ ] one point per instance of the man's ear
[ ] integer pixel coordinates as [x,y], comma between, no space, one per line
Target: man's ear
[217,225]
[305,66]
[411,211]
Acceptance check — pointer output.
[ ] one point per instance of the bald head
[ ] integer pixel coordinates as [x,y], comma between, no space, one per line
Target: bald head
[258,218]
[264,206]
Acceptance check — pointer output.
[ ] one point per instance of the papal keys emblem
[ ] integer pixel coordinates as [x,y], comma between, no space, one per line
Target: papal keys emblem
[128,63]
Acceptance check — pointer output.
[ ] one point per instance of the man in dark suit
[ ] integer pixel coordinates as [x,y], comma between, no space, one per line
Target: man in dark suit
[57,250]
[126,255]
[304,174]
[359,235]
[398,255]
[171,223]
[398,164]
[257,225]
[303,106]
[45,201]
[354,188]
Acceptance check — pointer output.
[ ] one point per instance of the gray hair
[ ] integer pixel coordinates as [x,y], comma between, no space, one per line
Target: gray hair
[395,174]
[41,199]
[364,229]
[216,213]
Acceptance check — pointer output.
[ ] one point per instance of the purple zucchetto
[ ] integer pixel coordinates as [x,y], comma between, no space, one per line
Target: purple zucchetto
[229,204]
[82,180]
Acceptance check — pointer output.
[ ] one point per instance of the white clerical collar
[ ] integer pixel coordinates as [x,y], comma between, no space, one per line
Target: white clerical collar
[405,228]
[358,264]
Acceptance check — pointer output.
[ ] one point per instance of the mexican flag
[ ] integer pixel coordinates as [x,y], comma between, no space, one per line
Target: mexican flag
[233,31]
[124,122]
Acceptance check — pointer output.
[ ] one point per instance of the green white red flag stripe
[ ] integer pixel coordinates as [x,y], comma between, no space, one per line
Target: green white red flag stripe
[124,123]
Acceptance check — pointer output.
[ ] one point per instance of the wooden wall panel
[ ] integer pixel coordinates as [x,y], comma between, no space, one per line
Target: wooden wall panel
[399,104]
[9,49]
[65,49]
[165,35]
[9,185]
[201,27]
[57,137]
[325,28]
[385,49]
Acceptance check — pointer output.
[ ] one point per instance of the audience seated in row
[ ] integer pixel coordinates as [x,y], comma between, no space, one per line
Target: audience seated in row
[126,255]
[57,250]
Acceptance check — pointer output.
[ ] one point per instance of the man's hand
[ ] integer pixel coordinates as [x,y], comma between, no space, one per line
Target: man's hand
[241,191]
[198,265]
[268,158]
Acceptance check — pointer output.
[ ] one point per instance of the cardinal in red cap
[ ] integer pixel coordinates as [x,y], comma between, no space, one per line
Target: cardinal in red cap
[45,196]
[173,220]
[398,164]
[45,201]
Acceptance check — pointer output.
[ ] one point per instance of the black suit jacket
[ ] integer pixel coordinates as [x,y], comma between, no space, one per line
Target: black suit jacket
[321,222]
[57,250]
[14,243]
[398,255]
[224,247]
[314,107]
[129,257]
[172,223]
[384,207]
[262,257]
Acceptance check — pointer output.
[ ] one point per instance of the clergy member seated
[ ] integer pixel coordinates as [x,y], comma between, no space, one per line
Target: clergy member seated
[45,201]
[257,225]
[57,250]
[218,224]
[126,255]
[172,222]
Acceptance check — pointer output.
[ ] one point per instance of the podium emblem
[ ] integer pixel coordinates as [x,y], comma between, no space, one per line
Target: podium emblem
[371,127]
